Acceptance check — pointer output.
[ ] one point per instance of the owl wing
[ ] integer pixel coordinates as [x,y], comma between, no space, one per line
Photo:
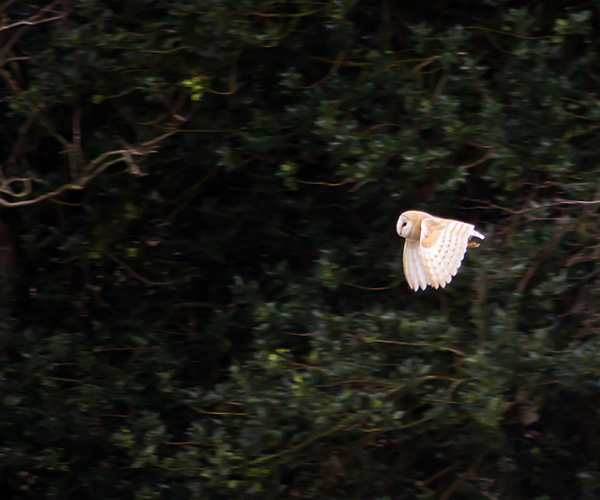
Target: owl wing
[413,265]
[443,246]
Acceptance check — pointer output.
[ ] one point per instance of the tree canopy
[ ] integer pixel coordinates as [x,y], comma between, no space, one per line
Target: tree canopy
[201,283]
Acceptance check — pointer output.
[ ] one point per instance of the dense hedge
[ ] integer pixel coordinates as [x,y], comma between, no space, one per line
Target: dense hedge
[202,292]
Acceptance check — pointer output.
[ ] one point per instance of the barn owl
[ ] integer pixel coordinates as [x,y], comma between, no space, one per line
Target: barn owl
[434,248]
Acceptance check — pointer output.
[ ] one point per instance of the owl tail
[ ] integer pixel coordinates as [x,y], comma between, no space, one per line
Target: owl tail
[472,242]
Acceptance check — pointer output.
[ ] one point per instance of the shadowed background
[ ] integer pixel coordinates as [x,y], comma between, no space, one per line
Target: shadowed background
[201,282]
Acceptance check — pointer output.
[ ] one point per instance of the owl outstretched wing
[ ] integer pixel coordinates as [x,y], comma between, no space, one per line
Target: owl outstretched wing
[413,265]
[443,246]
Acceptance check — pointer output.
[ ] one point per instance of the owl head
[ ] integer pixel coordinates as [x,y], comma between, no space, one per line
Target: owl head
[404,226]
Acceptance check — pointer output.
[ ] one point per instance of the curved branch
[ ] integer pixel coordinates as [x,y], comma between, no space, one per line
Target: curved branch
[92,170]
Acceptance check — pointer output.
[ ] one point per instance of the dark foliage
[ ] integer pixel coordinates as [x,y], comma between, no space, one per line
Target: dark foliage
[201,284]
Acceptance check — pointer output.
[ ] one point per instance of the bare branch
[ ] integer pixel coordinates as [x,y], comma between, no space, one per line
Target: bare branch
[14,86]
[23,187]
[34,20]
[24,25]
[92,170]
[6,186]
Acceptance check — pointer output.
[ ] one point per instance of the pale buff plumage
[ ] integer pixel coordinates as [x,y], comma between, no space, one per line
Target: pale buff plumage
[434,248]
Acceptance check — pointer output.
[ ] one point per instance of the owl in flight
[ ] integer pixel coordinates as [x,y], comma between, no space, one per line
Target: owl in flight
[434,248]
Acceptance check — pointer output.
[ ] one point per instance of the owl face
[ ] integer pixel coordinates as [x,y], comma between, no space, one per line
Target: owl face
[404,226]
[434,248]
